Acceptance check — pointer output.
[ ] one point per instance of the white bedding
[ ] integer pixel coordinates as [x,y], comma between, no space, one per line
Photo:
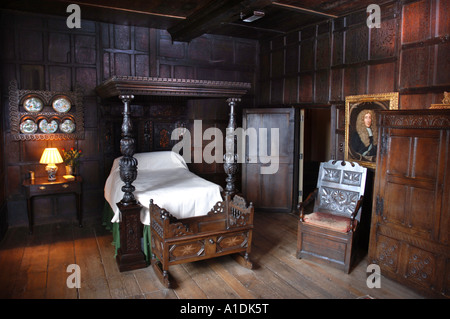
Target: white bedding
[165,178]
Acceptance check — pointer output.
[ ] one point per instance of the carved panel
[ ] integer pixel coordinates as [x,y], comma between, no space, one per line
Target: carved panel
[387,252]
[133,235]
[233,241]
[332,175]
[352,178]
[187,250]
[356,44]
[382,40]
[420,266]
[416,21]
[338,201]
[414,67]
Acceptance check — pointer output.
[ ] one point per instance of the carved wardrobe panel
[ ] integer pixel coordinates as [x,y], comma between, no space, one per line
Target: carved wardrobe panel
[410,232]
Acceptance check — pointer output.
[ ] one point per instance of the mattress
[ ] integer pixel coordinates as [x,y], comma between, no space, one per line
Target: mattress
[165,178]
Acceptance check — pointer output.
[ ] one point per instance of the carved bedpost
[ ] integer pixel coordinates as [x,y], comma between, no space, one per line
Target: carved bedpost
[230,165]
[129,255]
[127,164]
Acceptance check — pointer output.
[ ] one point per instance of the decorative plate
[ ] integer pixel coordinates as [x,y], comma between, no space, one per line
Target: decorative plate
[61,105]
[67,126]
[33,104]
[47,127]
[28,127]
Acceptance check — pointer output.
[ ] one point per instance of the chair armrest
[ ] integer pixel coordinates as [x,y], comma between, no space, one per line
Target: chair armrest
[301,206]
[353,215]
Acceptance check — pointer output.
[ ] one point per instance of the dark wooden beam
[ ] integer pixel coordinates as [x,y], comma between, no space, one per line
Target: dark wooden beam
[304,10]
[213,16]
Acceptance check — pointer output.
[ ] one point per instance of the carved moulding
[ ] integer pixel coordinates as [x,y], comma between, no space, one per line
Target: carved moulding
[120,85]
[18,113]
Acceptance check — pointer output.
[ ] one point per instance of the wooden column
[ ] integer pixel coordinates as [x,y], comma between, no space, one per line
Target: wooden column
[230,165]
[129,255]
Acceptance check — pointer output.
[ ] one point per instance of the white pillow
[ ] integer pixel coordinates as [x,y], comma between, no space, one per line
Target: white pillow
[155,161]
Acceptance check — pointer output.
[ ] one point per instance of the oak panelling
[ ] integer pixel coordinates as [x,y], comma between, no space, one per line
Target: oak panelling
[31,45]
[59,47]
[414,70]
[60,78]
[442,71]
[306,87]
[381,78]
[50,56]
[416,21]
[408,53]
[383,40]
[322,86]
[443,27]
[200,49]
[338,48]
[323,51]
[356,44]
[290,90]
[307,55]
[336,84]
[170,49]
[355,80]
[85,49]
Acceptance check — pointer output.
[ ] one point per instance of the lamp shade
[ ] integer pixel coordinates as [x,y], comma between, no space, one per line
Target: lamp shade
[51,156]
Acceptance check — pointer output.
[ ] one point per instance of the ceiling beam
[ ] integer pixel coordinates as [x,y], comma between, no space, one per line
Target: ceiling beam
[211,17]
[304,10]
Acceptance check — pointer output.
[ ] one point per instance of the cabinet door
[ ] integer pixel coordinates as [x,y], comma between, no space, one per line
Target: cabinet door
[411,187]
[267,170]
[406,235]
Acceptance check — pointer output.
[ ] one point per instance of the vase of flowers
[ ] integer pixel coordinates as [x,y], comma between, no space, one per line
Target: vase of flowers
[71,159]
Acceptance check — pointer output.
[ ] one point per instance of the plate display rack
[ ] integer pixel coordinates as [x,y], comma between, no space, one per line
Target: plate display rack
[45,115]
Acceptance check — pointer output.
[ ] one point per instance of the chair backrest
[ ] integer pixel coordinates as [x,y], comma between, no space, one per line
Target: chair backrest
[340,186]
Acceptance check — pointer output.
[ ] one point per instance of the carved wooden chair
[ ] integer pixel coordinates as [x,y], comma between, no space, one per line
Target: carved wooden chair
[328,232]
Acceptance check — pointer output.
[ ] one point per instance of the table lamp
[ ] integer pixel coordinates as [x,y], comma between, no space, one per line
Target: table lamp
[51,157]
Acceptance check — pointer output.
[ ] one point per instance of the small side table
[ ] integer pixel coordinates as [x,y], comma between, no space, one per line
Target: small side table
[41,186]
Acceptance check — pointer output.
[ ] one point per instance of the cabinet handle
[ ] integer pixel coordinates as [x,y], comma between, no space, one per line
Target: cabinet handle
[42,187]
[211,241]
[65,185]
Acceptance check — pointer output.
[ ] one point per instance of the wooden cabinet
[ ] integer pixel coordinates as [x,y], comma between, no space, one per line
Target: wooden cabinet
[41,186]
[410,228]
[268,177]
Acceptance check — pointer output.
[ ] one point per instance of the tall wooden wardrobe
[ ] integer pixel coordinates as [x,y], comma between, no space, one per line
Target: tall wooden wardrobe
[410,228]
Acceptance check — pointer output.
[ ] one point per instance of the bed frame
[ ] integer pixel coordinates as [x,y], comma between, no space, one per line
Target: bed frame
[226,229]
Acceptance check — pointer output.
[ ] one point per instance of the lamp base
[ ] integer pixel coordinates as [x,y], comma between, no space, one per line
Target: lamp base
[51,171]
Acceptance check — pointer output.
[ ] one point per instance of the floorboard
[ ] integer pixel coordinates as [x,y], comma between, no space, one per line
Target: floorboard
[35,266]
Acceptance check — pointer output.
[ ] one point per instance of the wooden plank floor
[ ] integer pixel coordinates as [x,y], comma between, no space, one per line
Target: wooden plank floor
[35,266]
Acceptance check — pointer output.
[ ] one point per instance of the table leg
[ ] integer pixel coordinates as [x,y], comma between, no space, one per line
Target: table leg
[30,215]
[79,210]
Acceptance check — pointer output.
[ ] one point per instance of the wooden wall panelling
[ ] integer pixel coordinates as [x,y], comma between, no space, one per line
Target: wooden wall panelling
[424,47]
[409,53]
[49,56]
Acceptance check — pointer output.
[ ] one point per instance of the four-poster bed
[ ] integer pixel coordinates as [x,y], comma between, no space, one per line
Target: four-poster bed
[225,228]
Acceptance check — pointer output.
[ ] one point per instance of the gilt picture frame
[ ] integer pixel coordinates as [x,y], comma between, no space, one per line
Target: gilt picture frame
[361,133]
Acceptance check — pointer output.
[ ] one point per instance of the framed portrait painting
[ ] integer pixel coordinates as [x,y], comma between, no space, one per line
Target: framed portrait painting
[361,134]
